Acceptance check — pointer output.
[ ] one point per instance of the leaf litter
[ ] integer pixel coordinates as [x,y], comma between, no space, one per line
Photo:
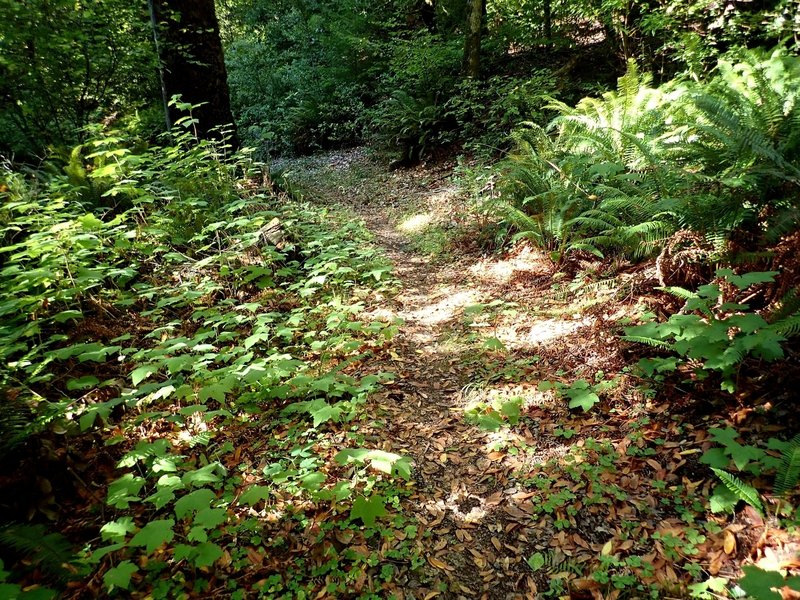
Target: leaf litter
[606,503]
[508,493]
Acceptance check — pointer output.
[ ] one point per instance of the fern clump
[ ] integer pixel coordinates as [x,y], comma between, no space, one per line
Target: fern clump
[49,551]
[621,173]
[788,475]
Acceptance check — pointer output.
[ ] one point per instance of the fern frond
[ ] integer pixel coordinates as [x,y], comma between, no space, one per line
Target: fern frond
[679,292]
[51,551]
[788,306]
[745,493]
[788,475]
[638,339]
[787,327]
[15,425]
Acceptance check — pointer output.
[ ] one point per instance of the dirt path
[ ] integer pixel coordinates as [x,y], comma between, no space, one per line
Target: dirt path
[465,496]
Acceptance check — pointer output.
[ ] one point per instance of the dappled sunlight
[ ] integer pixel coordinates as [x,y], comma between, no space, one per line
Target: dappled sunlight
[441,308]
[416,223]
[501,272]
[541,332]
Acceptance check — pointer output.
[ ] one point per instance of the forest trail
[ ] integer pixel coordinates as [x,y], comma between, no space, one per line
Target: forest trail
[481,525]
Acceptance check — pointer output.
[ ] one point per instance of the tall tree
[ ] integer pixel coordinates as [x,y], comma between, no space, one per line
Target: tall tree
[192,60]
[472,45]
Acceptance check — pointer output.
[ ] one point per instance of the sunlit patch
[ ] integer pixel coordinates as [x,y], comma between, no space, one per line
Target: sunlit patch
[384,315]
[416,223]
[540,457]
[526,260]
[540,333]
[464,508]
[443,310]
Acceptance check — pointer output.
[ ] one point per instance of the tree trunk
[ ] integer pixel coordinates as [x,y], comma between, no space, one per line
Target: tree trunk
[472,46]
[548,21]
[192,62]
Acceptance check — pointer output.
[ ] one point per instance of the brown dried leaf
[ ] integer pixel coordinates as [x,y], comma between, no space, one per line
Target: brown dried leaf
[440,564]
[729,542]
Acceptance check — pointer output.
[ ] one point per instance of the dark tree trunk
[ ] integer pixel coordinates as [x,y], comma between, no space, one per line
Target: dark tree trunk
[192,61]
[548,21]
[472,45]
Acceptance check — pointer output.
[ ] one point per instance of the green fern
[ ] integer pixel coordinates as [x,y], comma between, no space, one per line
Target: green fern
[787,327]
[679,292]
[788,475]
[745,493]
[15,426]
[50,551]
[648,341]
[788,306]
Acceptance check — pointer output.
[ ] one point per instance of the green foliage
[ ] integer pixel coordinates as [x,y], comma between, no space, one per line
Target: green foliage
[713,332]
[581,394]
[495,415]
[789,471]
[65,66]
[46,550]
[781,457]
[739,489]
[142,283]
[597,184]
[625,171]
[764,585]
[368,510]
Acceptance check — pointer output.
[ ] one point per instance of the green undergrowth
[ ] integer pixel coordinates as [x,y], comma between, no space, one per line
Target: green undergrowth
[207,335]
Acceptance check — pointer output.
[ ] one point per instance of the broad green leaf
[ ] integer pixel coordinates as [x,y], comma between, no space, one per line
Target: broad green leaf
[312,481]
[124,490]
[744,281]
[139,374]
[715,457]
[368,509]
[209,518]
[581,395]
[760,584]
[89,221]
[491,421]
[120,576]
[387,462]
[161,497]
[494,344]
[197,534]
[206,554]
[254,494]
[194,501]
[536,561]
[207,474]
[217,390]
[182,552]
[142,451]
[511,409]
[117,531]
[722,500]
[82,383]
[154,534]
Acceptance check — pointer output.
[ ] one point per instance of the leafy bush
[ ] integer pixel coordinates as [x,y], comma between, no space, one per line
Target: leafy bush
[170,298]
[622,172]
[714,332]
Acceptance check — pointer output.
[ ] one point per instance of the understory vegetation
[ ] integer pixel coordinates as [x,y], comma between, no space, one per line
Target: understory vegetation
[486,299]
[147,295]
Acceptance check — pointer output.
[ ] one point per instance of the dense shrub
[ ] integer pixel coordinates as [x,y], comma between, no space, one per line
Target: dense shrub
[620,173]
